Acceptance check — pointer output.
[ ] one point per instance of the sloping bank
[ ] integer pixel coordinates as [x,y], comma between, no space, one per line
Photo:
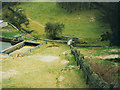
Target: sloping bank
[91,77]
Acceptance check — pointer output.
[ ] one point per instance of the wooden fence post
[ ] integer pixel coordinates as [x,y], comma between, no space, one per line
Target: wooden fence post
[46,41]
[80,66]
[87,79]
[111,86]
[71,51]
[77,62]
[75,56]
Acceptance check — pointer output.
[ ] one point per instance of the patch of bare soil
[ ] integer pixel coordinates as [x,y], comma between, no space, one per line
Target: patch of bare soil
[64,62]
[49,58]
[92,19]
[106,72]
[36,22]
[61,78]
[22,50]
[103,57]
[114,50]
[6,30]
[8,74]
[107,57]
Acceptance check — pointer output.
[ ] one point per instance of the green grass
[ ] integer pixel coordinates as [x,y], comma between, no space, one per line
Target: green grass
[9,27]
[9,34]
[76,24]
[8,31]
[92,52]
[97,50]
[34,73]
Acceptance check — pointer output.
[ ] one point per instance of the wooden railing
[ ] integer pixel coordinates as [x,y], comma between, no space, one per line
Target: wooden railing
[91,77]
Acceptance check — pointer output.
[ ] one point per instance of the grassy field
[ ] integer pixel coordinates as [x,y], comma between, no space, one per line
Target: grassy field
[79,24]
[39,69]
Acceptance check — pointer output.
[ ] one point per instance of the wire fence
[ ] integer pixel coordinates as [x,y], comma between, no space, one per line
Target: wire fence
[91,77]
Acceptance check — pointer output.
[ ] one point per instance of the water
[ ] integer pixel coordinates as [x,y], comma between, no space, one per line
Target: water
[4,45]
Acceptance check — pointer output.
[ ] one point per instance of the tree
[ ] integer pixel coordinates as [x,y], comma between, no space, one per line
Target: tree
[4,4]
[109,13]
[75,6]
[53,29]
[16,16]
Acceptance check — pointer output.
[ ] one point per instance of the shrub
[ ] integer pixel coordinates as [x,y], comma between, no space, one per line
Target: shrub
[53,29]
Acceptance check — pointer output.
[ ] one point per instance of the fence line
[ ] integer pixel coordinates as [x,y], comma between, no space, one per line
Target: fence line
[89,46]
[91,78]
[30,49]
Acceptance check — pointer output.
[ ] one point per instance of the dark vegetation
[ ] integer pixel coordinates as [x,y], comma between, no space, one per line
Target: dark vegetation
[71,7]
[16,16]
[54,29]
[105,36]
[109,13]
